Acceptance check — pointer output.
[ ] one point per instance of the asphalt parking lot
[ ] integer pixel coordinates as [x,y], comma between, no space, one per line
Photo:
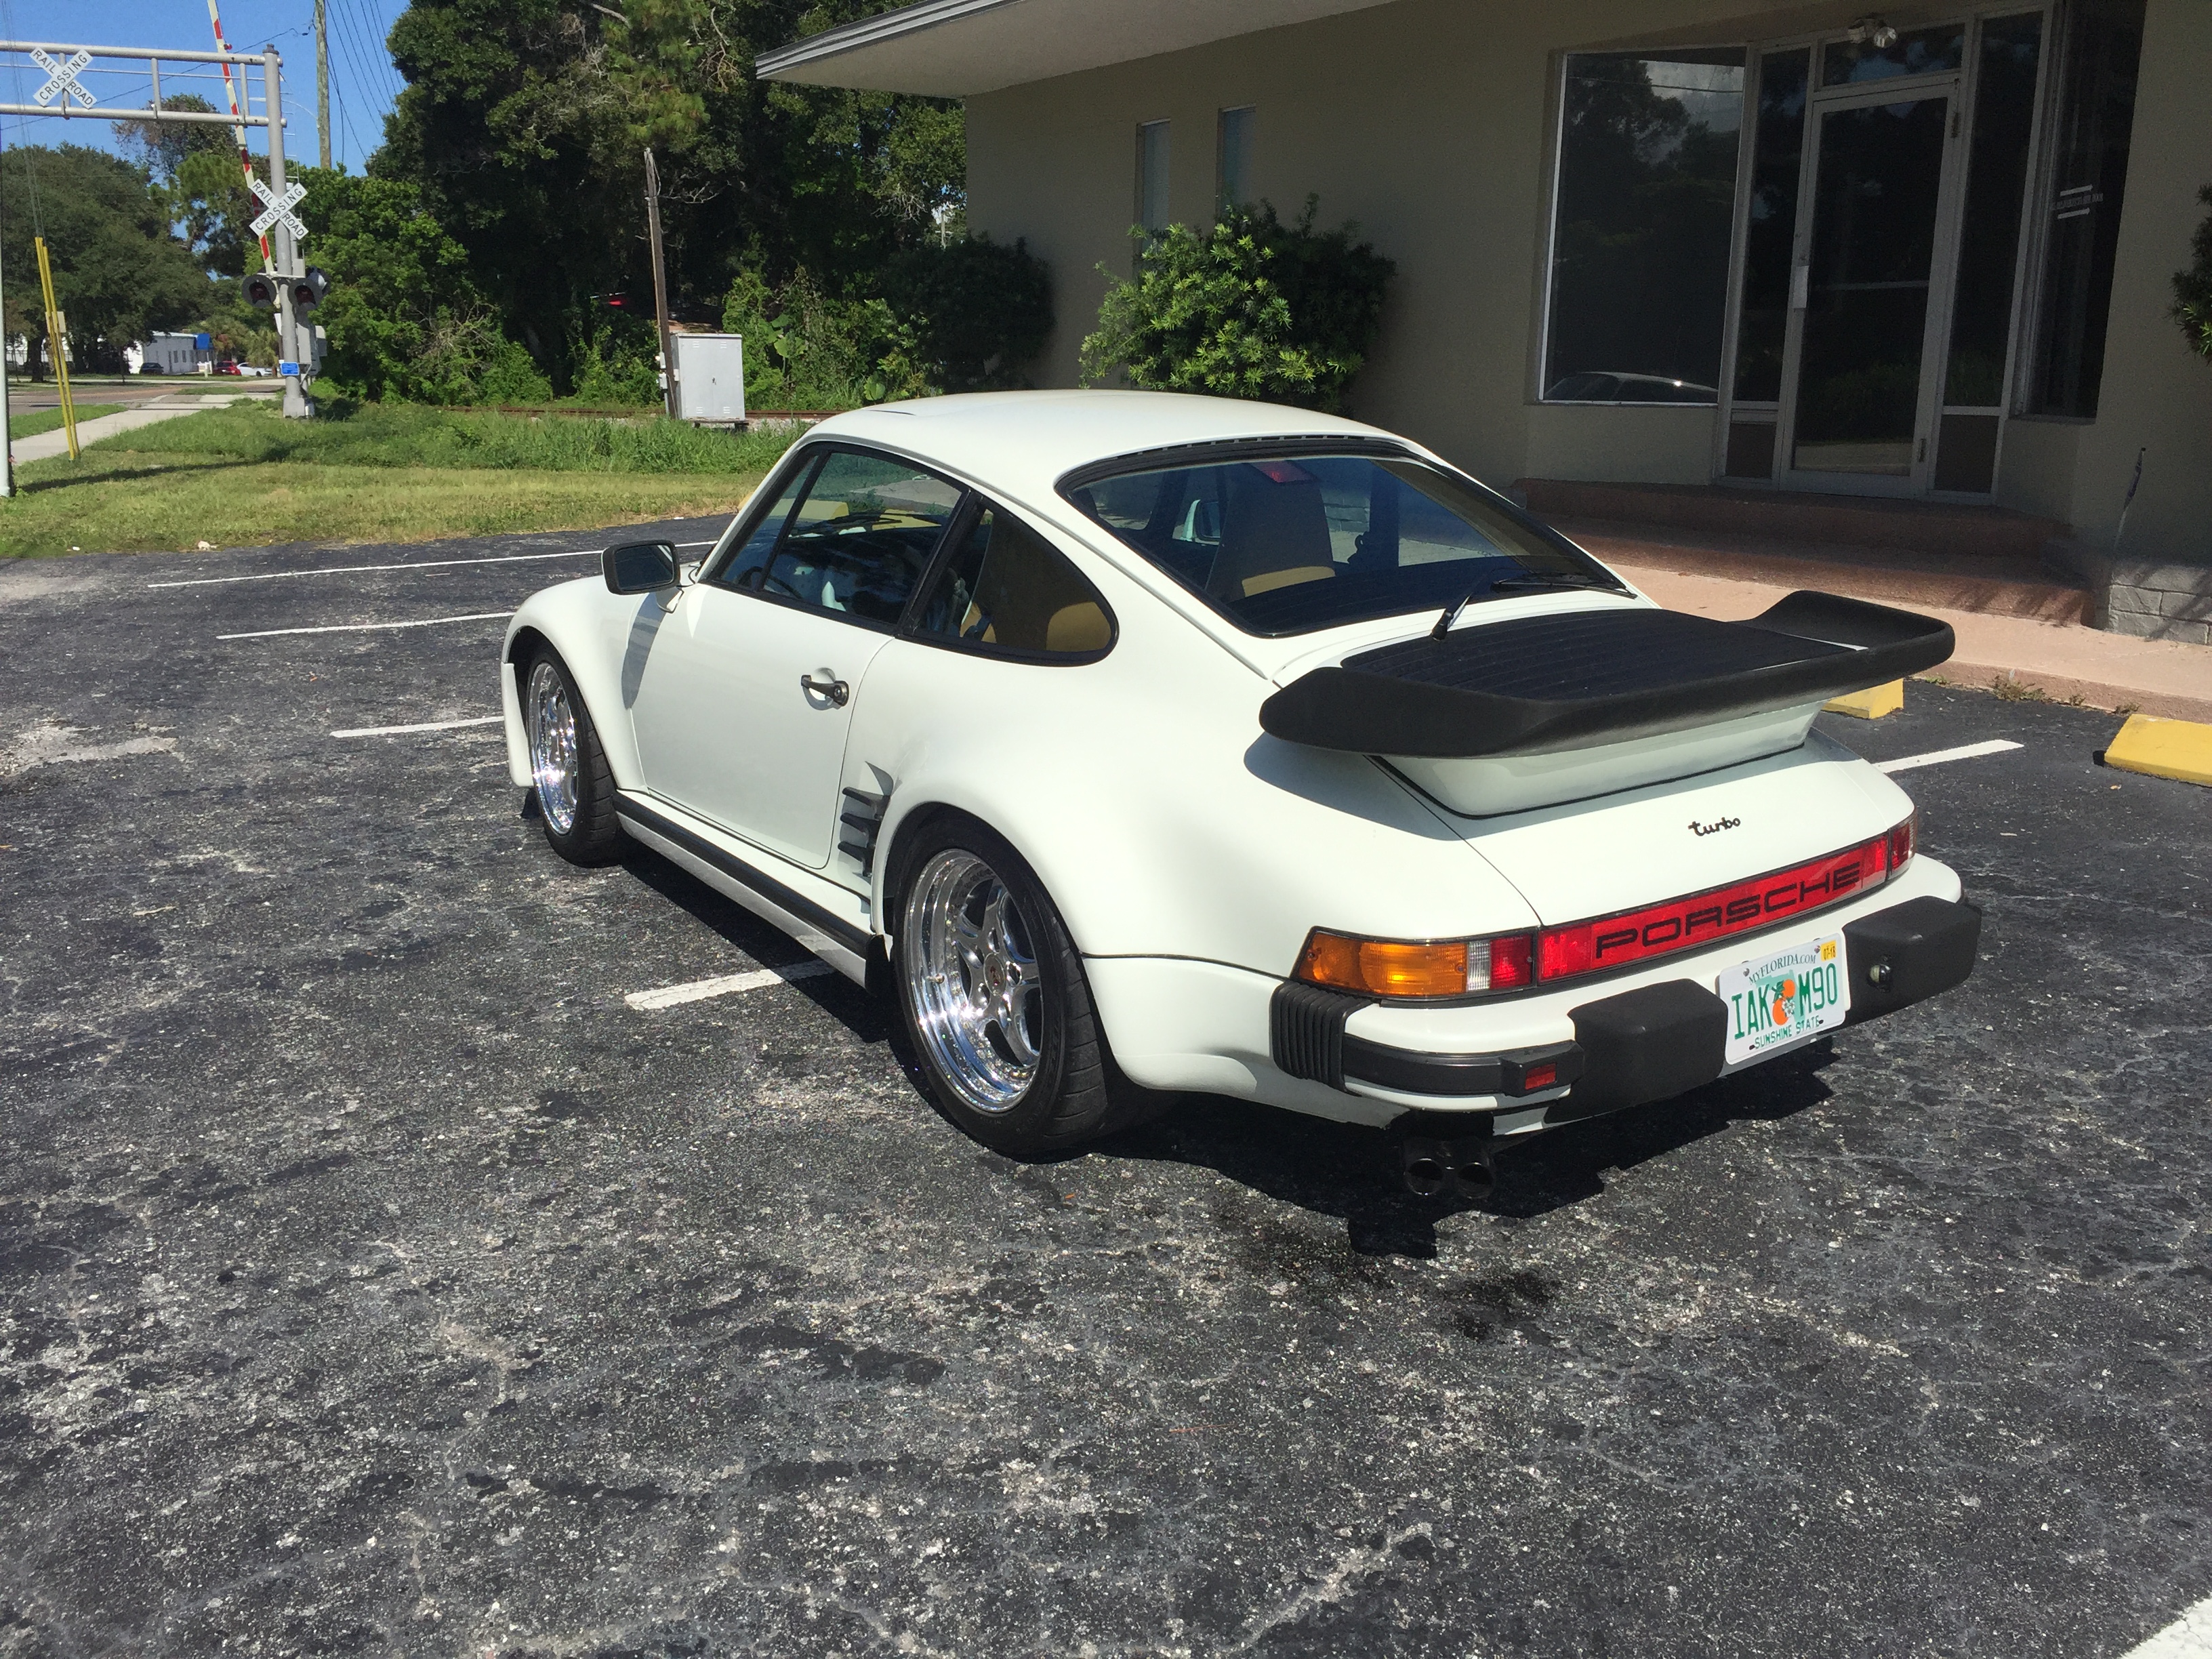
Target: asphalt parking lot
[374,1277]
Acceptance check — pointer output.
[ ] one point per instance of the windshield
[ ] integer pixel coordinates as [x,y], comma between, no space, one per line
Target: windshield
[1289,545]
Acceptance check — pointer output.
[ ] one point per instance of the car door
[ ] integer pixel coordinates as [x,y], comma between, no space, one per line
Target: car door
[747,686]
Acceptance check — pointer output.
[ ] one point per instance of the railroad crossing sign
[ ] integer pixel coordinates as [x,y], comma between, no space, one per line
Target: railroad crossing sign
[62,79]
[279,210]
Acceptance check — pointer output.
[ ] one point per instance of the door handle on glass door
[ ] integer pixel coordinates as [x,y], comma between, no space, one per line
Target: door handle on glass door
[834,692]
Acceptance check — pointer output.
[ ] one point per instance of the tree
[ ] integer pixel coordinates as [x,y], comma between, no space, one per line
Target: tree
[118,271]
[523,125]
[403,318]
[2192,289]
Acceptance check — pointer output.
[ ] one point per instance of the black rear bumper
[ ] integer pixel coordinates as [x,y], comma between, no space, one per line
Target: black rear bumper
[1647,1044]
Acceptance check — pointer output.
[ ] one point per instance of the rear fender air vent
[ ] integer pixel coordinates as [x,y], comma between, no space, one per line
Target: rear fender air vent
[858,825]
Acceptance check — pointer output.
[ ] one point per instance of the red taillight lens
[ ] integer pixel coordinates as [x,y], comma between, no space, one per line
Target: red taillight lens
[1900,843]
[1683,924]
[1512,962]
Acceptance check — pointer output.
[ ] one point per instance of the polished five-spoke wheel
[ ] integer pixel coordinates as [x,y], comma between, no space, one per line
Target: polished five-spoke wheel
[973,981]
[569,778]
[552,723]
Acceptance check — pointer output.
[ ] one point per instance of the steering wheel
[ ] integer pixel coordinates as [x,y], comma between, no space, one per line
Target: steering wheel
[762,579]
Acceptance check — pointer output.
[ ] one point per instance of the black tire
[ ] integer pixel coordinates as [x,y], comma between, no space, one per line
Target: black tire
[592,835]
[1073,1093]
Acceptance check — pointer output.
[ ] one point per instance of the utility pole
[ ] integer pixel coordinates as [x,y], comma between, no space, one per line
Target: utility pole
[7,457]
[660,284]
[296,407]
[323,78]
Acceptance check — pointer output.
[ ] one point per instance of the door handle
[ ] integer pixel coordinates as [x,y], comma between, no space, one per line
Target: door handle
[835,693]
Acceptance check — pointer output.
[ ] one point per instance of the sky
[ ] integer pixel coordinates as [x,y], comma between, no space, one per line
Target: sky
[363,83]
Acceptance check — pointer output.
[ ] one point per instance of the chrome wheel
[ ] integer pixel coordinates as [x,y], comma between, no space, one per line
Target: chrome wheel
[972,978]
[552,725]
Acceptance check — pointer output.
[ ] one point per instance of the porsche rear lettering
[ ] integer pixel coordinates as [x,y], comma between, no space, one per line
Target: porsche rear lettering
[1838,877]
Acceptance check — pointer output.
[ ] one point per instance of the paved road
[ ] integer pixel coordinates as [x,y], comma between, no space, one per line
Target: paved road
[374,1278]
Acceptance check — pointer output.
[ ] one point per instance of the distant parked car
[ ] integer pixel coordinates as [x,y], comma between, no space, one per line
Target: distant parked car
[251,371]
[1609,387]
[227,366]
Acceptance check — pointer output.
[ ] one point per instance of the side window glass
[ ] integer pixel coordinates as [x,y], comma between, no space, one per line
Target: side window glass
[754,555]
[856,539]
[1006,588]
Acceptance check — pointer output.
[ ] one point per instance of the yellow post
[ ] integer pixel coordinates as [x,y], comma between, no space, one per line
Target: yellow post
[54,344]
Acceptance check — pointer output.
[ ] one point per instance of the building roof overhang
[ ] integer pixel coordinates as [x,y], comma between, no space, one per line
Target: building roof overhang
[956,48]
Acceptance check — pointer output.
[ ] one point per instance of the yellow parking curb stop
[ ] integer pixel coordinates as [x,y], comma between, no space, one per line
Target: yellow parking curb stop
[1870,704]
[2163,749]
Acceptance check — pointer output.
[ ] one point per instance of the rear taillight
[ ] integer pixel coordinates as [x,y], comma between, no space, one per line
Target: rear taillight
[1900,843]
[1417,968]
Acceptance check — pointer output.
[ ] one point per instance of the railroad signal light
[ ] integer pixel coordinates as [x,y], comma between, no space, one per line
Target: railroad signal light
[307,290]
[259,290]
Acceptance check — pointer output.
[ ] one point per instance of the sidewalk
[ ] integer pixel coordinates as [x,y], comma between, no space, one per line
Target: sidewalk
[47,445]
[2062,659]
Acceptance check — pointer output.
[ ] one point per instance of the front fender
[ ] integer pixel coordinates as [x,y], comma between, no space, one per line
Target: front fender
[599,635]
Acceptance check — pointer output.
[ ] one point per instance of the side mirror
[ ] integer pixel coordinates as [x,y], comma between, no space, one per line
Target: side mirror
[639,567]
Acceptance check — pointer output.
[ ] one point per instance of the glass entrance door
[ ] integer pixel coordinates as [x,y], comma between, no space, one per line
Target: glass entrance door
[1859,401]
[1878,245]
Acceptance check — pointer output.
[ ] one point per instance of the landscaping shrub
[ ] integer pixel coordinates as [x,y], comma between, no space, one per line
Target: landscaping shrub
[1252,308]
[977,312]
[2192,289]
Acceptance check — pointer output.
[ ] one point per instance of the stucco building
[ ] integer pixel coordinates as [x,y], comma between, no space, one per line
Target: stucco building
[1923,253]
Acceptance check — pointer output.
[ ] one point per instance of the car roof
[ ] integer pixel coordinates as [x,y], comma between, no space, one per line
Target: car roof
[1023,441]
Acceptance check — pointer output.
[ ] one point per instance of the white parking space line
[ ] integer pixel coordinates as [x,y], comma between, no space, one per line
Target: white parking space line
[426,725]
[363,628]
[669,996]
[411,564]
[2188,1636]
[1937,756]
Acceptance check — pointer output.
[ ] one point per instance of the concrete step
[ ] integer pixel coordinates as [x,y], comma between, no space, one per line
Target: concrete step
[2002,585]
[1796,516]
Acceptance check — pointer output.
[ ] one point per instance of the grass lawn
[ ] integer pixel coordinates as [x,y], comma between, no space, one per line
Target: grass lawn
[32,423]
[244,477]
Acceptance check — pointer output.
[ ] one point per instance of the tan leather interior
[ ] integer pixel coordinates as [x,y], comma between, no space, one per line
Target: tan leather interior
[1033,597]
[1270,530]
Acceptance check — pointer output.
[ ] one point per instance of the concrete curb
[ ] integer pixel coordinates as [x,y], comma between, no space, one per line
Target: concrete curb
[2163,749]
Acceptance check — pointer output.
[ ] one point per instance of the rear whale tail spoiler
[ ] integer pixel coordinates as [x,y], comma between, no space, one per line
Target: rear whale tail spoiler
[1539,685]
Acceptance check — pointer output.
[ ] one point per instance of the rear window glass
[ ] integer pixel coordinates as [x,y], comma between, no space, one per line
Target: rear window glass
[1287,544]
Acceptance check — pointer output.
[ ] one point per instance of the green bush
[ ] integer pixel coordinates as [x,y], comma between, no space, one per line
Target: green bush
[2192,289]
[1253,308]
[808,350]
[978,313]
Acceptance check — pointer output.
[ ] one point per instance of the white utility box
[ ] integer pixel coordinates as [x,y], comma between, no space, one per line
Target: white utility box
[710,377]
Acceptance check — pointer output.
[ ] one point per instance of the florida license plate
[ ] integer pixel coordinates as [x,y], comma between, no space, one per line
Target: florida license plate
[1779,999]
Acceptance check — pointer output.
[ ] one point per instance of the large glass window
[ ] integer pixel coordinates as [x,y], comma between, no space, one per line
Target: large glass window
[1005,589]
[1645,202]
[1232,161]
[1989,237]
[1778,150]
[1153,175]
[1288,544]
[2103,45]
[855,537]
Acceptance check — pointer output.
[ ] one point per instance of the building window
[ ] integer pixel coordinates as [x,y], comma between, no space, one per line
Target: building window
[1232,160]
[1152,176]
[1641,224]
[2081,215]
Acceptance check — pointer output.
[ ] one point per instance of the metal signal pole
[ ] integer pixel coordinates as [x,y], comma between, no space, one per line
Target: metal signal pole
[660,284]
[296,407]
[323,78]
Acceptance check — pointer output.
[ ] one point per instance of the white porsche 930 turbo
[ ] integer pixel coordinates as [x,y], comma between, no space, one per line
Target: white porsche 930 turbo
[1198,745]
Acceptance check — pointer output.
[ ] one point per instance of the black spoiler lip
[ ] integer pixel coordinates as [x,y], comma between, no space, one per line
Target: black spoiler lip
[1409,711]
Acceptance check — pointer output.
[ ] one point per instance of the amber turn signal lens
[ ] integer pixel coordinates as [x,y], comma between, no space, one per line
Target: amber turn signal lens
[1384,968]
